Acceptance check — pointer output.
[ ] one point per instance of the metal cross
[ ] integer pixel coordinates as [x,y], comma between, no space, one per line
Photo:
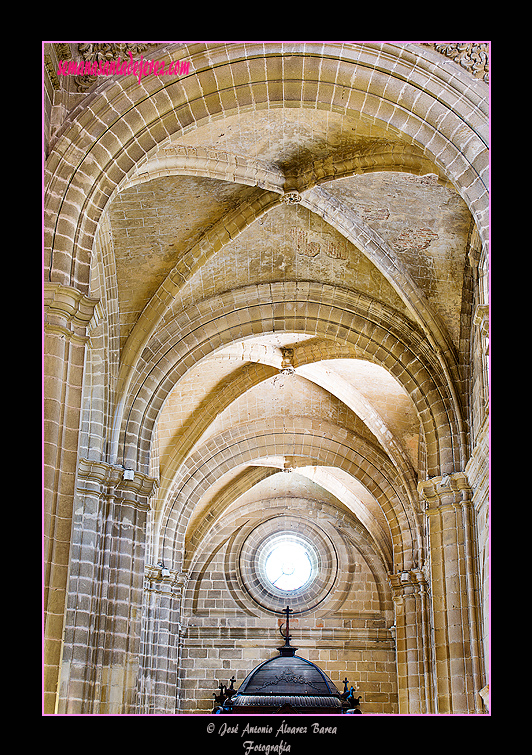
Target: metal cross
[287,635]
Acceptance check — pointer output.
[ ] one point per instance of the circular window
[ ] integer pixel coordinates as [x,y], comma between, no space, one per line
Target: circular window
[288,566]
[286,558]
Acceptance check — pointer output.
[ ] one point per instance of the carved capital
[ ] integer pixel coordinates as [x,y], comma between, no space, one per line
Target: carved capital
[412,580]
[117,480]
[447,489]
[473,56]
[165,581]
[68,312]
[107,51]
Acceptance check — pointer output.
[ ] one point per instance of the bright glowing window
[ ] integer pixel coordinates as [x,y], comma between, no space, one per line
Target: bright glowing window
[288,566]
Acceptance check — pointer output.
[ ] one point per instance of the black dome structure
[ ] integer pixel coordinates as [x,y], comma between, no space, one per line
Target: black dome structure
[287,684]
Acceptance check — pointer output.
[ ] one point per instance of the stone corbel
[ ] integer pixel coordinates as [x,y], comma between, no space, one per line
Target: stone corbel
[68,312]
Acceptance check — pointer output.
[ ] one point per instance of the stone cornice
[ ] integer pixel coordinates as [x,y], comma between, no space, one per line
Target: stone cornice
[353,638]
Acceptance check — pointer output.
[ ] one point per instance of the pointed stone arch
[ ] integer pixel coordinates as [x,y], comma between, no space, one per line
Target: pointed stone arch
[400,87]
[379,333]
[305,442]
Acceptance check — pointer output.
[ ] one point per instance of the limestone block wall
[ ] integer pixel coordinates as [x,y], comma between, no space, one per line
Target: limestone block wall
[217,649]
[346,629]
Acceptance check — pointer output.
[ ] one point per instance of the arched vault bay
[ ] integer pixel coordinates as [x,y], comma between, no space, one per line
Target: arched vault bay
[213,410]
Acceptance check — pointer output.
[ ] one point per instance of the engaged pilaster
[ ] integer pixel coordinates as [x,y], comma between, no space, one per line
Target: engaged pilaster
[162,641]
[101,659]
[454,593]
[68,315]
[410,596]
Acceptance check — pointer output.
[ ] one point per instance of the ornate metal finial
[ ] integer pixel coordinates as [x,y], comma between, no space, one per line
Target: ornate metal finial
[287,648]
[224,702]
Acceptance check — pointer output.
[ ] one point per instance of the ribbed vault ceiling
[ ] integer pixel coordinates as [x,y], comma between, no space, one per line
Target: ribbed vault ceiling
[158,223]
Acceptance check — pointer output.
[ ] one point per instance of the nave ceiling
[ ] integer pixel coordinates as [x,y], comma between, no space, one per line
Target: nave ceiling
[202,214]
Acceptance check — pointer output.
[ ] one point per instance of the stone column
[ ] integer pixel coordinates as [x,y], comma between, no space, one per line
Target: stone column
[454,593]
[162,638]
[477,469]
[67,316]
[412,642]
[103,625]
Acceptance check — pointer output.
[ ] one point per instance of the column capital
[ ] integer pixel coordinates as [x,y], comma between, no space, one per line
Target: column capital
[447,489]
[69,312]
[118,479]
[412,578]
[165,581]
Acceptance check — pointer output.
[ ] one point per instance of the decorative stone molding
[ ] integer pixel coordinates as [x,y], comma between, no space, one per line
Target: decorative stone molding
[50,70]
[177,159]
[485,695]
[251,555]
[451,488]
[473,56]
[413,578]
[477,467]
[117,478]
[63,50]
[68,312]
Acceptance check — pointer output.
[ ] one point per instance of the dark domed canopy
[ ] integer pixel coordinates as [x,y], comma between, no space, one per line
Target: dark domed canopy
[287,681]
[287,676]
[289,684]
